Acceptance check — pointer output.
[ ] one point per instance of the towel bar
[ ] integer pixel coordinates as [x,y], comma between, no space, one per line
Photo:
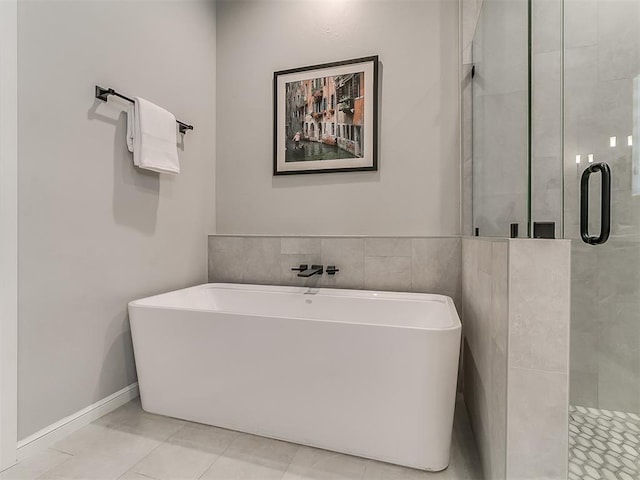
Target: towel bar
[103,94]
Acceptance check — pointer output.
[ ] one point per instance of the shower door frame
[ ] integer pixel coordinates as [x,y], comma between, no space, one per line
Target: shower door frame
[8,232]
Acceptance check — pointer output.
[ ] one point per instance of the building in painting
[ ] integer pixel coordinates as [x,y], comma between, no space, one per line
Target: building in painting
[295,108]
[350,112]
[328,110]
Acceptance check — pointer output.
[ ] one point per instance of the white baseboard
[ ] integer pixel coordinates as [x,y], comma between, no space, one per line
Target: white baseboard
[51,434]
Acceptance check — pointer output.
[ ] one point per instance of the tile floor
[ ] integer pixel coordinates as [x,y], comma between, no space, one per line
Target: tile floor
[130,444]
[603,444]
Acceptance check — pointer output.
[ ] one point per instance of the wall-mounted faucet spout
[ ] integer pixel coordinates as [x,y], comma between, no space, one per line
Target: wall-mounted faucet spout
[314,270]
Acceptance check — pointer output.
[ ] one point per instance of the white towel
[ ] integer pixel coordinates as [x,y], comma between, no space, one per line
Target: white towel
[151,136]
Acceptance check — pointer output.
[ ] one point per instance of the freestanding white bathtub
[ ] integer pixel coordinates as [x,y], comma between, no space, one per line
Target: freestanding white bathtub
[366,373]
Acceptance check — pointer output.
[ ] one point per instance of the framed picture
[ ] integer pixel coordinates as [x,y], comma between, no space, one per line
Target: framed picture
[326,118]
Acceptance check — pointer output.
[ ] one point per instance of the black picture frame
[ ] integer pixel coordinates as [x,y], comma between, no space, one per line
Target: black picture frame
[325,118]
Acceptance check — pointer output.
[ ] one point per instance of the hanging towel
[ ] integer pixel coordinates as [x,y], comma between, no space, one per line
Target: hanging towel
[151,136]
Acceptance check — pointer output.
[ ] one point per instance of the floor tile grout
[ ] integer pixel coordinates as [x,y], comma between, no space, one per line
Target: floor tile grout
[235,437]
[364,472]
[60,451]
[290,462]
[149,453]
[57,465]
[602,441]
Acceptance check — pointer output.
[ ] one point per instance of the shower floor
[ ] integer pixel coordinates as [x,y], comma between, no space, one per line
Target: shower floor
[603,444]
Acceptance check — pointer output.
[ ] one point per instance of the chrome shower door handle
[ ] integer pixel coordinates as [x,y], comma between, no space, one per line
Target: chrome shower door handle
[605,204]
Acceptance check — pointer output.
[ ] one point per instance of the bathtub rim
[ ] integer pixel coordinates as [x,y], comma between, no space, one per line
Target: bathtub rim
[456,323]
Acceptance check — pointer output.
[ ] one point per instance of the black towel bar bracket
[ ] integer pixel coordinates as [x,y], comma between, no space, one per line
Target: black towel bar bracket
[103,94]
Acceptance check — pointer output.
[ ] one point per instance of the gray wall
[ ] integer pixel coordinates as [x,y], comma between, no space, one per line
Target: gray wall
[9,236]
[546,113]
[417,189]
[94,231]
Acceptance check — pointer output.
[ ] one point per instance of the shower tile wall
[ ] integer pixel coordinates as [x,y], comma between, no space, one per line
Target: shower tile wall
[546,112]
[421,264]
[499,117]
[602,60]
[605,331]
[516,325]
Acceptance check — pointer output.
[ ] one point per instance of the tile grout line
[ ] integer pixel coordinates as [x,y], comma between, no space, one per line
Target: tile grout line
[540,370]
[55,466]
[161,442]
[237,435]
[138,473]
[292,458]
[364,472]
[61,451]
[149,453]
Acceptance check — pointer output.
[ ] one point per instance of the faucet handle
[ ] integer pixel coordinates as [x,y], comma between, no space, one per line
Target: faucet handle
[301,268]
[331,270]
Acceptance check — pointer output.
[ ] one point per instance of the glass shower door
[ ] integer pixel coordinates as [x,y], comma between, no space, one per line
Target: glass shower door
[500,135]
[602,126]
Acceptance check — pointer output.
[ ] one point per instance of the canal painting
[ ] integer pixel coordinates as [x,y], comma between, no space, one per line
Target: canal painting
[324,122]
[325,118]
